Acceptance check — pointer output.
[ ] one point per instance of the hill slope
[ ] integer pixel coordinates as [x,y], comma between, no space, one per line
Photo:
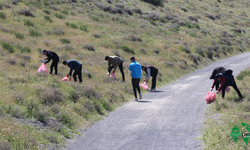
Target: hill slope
[176,38]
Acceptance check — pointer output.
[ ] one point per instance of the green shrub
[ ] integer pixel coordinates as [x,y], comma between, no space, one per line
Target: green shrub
[60,16]
[155,2]
[25,49]
[48,18]
[28,23]
[8,47]
[67,23]
[66,119]
[66,12]
[243,74]
[47,12]
[193,34]
[84,28]
[196,26]
[46,4]
[73,25]
[35,33]
[95,18]
[19,35]
[2,15]
[189,25]
[184,9]
[153,23]
[1,5]
[72,13]
[65,41]
[128,50]
[162,19]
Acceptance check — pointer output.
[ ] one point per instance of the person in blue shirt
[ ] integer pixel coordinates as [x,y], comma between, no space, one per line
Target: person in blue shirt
[135,72]
[74,65]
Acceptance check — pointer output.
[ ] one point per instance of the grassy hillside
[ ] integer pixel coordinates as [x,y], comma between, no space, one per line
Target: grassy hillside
[40,111]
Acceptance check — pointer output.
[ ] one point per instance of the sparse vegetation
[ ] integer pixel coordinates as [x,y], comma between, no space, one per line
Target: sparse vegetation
[175,37]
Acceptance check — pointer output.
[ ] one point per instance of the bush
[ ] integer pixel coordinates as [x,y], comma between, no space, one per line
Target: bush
[184,9]
[60,16]
[128,50]
[52,95]
[65,41]
[8,47]
[2,15]
[25,49]
[243,74]
[26,13]
[73,25]
[155,2]
[35,33]
[84,28]
[67,23]
[66,12]
[48,18]
[153,23]
[1,5]
[28,23]
[89,47]
[65,118]
[11,61]
[19,35]
[47,12]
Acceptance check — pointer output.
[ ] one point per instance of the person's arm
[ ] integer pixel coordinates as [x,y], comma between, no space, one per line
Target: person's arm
[148,74]
[129,70]
[49,58]
[222,83]
[71,69]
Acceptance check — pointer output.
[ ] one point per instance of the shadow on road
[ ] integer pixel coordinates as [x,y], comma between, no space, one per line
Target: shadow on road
[156,91]
[144,101]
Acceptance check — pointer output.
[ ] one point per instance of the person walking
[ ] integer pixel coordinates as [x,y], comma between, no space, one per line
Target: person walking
[150,71]
[135,72]
[113,62]
[216,70]
[51,56]
[226,80]
[74,65]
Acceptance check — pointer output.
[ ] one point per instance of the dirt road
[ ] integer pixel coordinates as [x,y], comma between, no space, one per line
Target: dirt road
[168,119]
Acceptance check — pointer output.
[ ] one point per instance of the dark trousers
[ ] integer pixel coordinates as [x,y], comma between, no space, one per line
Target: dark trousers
[79,73]
[235,88]
[121,69]
[135,84]
[54,64]
[154,75]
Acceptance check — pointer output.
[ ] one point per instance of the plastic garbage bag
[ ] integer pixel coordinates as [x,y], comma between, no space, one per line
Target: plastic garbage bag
[42,68]
[210,97]
[66,78]
[112,75]
[144,86]
[227,89]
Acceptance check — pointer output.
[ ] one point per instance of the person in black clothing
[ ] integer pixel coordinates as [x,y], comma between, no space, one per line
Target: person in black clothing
[150,71]
[216,71]
[55,60]
[113,62]
[226,80]
[74,65]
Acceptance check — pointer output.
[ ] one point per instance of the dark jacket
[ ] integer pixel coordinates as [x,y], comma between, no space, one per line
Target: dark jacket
[150,71]
[114,61]
[226,80]
[216,71]
[74,65]
[51,55]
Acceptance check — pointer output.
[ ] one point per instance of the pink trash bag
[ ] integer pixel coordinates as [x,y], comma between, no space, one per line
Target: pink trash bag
[66,78]
[144,86]
[210,97]
[227,89]
[42,68]
[112,76]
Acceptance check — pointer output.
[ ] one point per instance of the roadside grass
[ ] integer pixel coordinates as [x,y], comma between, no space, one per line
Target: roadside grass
[224,114]
[41,98]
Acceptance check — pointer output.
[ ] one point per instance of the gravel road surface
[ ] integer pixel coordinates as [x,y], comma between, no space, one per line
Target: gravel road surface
[169,119]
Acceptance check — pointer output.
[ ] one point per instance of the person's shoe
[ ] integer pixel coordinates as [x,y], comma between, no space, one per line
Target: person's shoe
[136,99]
[140,96]
[152,90]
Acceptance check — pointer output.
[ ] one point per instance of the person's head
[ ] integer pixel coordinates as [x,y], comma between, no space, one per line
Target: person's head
[143,68]
[65,62]
[44,52]
[132,59]
[107,58]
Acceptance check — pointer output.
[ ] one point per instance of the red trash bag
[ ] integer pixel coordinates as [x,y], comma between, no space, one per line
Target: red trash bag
[112,76]
[66,78]
[210,97]
[144,86]
[42,68]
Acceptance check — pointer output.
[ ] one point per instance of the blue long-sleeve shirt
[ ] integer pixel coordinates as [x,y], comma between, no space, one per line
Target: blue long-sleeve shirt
[73,65]
[135,70]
